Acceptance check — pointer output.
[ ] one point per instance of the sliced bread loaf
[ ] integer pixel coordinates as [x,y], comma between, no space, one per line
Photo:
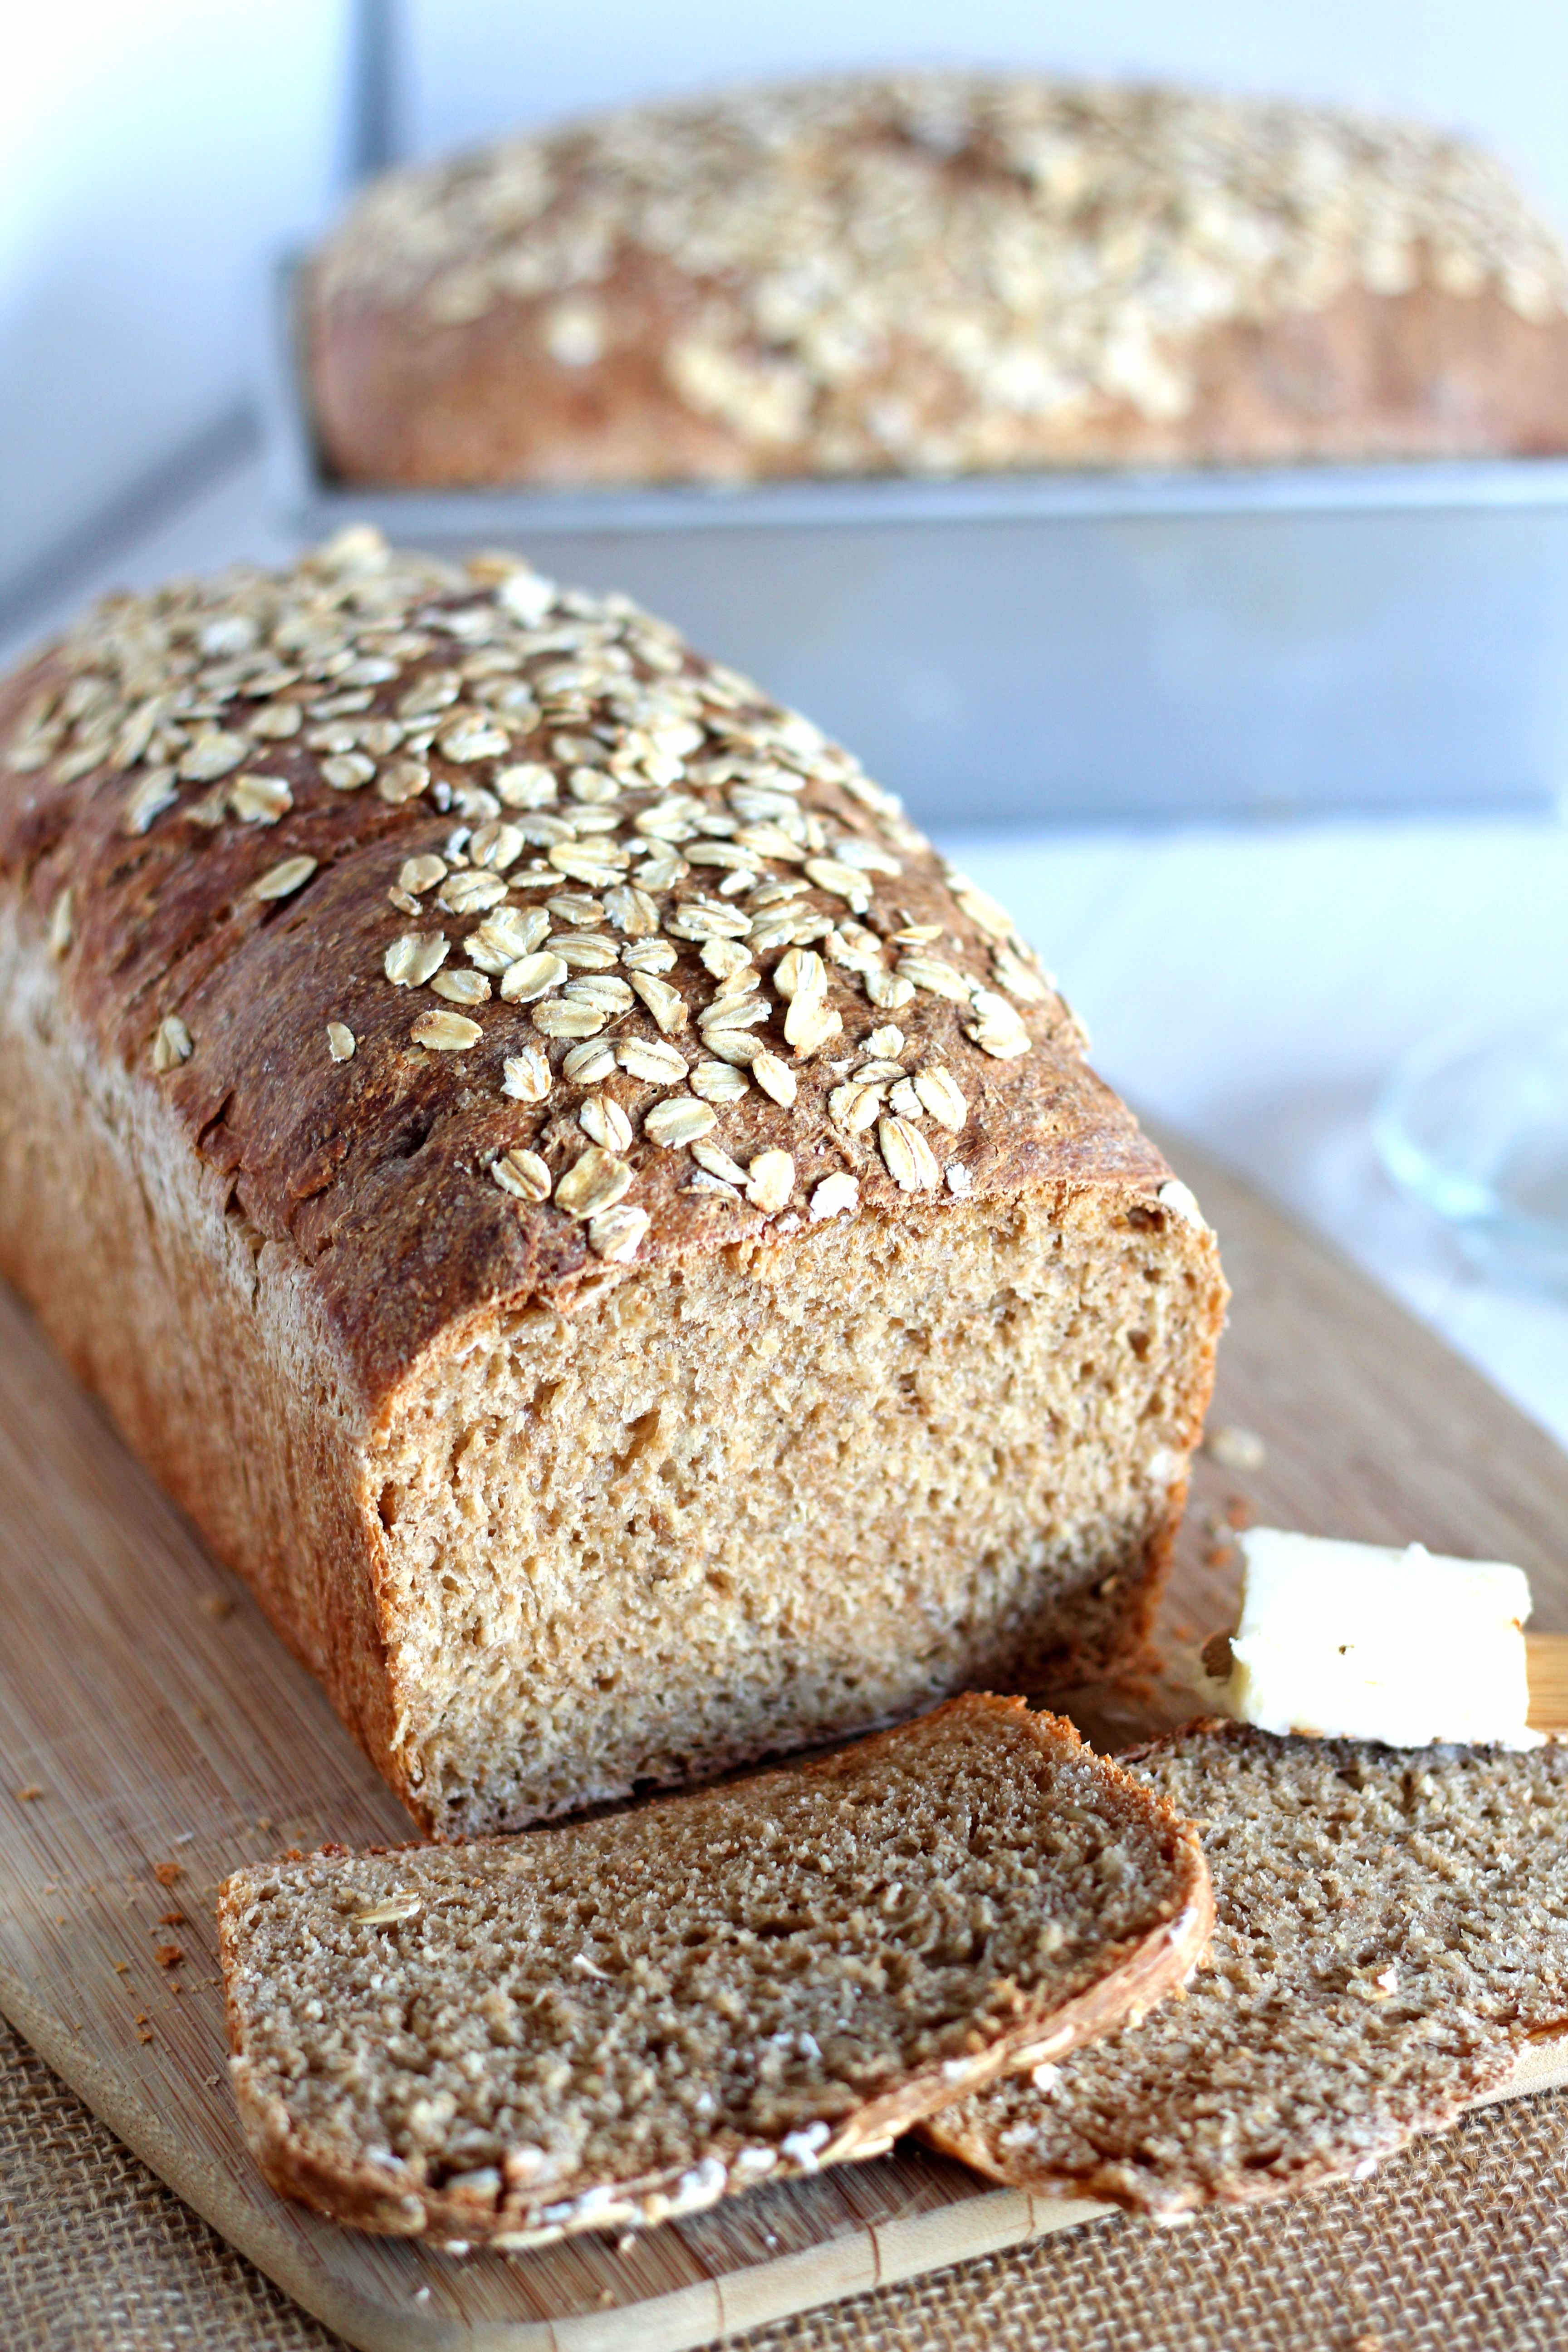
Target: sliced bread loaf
[630,2018]
[1392,1927]
[608,1233]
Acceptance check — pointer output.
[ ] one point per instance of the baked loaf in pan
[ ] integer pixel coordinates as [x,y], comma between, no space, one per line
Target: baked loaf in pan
[624,2020]
[936,274]
[616,1243]
[1390,1932]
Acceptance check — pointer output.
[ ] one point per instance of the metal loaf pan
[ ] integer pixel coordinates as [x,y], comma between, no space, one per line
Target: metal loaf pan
[1084,648]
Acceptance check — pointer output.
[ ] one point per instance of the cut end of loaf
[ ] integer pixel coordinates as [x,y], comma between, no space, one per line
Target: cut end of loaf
[782,1493]
[641,1352]
[622,2020]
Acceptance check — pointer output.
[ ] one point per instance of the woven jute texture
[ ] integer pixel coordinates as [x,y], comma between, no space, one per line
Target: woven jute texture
[1459,2245]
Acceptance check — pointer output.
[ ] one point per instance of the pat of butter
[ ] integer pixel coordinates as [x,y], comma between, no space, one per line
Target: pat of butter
[1350,1641]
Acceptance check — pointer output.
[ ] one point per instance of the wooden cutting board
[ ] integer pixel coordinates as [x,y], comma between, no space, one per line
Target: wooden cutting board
[153,1735]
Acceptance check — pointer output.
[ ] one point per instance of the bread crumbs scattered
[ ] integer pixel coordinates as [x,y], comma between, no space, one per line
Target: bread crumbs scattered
[165,1872]
[27,1796]
[1238,1511]
[215,1605]
[173,1919]
[168,1955]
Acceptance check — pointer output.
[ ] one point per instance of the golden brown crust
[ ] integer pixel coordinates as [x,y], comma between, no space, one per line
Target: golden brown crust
[376,1167]
[1422,374]
[1024,275]
[1130,1980]
[214,1362]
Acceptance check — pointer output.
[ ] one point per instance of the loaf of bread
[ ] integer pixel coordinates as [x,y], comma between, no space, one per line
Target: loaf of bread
[616,1242]
[936,274]
[626,2019]
[1391,1930]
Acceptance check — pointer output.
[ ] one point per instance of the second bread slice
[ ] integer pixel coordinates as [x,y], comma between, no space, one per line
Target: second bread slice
[1392,1934]
[630,2018]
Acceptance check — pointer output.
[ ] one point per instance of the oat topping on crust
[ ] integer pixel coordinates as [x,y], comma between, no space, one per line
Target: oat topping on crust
[911,273]
[528,963]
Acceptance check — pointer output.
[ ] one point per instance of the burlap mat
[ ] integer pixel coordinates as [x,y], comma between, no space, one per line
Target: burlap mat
[1461,2244]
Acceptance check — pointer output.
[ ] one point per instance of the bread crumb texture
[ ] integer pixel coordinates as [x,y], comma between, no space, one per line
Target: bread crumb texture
[1391,1928]
[626,2019]
[751,1503]
[934,273]
[612,1234]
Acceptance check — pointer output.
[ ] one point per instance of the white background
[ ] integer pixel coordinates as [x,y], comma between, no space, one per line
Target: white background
[153,152]
[1499,71]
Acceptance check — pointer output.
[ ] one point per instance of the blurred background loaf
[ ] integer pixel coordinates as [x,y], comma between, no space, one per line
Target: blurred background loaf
[936,273]
[154,162]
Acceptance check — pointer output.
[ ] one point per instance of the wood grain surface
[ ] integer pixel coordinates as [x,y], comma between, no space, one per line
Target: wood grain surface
[153,1735]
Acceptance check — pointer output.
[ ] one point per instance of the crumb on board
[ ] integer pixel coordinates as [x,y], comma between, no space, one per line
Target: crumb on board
[1238,1511]
[30,1795]
[168,1955]
[165,1872]
[1235,1448]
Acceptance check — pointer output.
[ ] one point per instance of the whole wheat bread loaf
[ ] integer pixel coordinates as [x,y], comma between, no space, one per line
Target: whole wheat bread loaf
[1391,1929]
[936,273]
[612,1236]
[630,2018]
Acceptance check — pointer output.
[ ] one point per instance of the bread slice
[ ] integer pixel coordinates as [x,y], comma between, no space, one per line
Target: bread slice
[620,1332]
[1392,1928]
[630,2018]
